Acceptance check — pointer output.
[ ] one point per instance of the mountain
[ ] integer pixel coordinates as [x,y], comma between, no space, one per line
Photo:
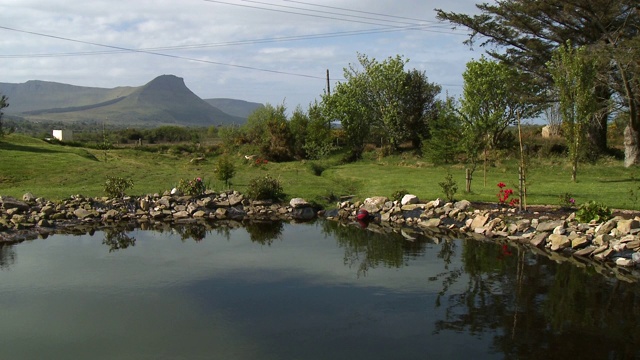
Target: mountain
[165,100]
[235,107]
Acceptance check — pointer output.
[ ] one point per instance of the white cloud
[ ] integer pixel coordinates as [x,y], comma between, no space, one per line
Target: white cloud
[237,47]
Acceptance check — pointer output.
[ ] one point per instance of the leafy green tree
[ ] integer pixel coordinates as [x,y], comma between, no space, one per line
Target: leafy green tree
[493,99]
[525,33]
[382,98]
[299,124]
[267,128]
[318,142]
[444,144]
[574,74]
[225,170]
[3,104]
[419,106]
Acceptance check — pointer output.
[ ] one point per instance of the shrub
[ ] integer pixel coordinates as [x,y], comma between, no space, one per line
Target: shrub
[593,211]
[449,187]
[193,187]
[265,187]
[399,194]
[116,186]
[225,170]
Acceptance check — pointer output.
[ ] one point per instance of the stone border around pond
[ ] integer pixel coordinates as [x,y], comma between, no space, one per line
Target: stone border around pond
[613,245]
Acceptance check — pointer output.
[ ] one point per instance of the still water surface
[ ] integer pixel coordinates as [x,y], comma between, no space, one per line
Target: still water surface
[310,291]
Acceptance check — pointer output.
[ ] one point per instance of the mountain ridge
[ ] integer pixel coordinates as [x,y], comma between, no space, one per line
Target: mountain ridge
[165,100]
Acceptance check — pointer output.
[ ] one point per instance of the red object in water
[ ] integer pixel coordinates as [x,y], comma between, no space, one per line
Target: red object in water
[362,215]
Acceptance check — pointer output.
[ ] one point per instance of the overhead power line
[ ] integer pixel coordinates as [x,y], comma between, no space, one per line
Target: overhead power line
[356,11]
[162,54]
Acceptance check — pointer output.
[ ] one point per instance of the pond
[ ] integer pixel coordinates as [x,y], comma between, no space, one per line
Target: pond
[304,291]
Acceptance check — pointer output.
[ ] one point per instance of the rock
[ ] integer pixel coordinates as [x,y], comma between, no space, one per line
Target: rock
[579,242]
[144,204]
[409,207]
[431,222]
[585,251]
[462,205]
[375,204]
[559,230]
[559,242]
[478,222]
[28,197]
[199,214]
[180,214]
[111,215]
[624,262]
[175,191]
[221,213]
[625,226]
[549,226]
[409,199]
[82,214]
[44,223]
[298,203]
[606,227]
[11,203]
[602,239]
[303,213]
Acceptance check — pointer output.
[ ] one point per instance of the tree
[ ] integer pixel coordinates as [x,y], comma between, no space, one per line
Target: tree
[299,125]
[267,128]
[525,33]
[419,106]
[318,141]
[493,99]
[3,104]
[444,144]
[382,98]
[225,170]
[574,75]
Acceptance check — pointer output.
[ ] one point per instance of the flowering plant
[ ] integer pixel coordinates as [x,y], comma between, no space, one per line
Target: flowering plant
[504,193]
[193,187]
[260,162]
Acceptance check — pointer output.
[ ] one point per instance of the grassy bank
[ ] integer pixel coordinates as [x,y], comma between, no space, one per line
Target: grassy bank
[56,172]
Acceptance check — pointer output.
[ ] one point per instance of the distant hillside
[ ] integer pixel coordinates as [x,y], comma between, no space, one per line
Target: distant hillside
[234,107]
[165,100]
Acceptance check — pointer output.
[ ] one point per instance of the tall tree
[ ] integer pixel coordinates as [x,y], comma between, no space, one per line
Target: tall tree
[574,74]
[419,106]
[382,98]
[494,98]
[524,33]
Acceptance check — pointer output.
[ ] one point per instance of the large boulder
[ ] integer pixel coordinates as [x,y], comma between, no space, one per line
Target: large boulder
[374,204]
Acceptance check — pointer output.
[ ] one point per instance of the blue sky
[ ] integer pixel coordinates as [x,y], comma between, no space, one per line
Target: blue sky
[263,51]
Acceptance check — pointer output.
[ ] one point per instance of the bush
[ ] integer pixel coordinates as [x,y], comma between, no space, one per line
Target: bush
[593,211]
[449,187]
[265,187]
[193,187]
[116,186]
[225,170]
[399,194]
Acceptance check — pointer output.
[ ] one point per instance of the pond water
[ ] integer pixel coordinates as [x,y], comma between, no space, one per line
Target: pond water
[304,291]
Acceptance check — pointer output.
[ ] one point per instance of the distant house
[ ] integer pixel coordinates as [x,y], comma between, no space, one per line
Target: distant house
[63,135]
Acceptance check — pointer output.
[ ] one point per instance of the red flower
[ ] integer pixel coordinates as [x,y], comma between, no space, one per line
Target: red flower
[501,185]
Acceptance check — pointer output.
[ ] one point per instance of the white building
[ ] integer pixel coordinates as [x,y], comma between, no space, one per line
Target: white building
[63,135]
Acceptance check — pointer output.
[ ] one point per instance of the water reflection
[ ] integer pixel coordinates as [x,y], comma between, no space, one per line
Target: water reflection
[323,290]
[7,256]
[264,232]
[117,239]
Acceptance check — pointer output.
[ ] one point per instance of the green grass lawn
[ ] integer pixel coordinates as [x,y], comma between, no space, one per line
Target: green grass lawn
[57,172]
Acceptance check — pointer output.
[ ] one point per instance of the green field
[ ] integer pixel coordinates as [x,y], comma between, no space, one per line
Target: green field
[56,172]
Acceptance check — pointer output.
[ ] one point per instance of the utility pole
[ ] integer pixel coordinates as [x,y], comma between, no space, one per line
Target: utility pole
[328,87]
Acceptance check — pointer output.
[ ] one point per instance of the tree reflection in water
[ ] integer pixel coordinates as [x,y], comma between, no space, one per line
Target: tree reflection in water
[194,231]
[533,307]
[7,256]
[264,232]
[537,309]
[117,239]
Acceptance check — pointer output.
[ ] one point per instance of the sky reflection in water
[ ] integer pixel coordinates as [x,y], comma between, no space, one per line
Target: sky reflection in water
[312,291]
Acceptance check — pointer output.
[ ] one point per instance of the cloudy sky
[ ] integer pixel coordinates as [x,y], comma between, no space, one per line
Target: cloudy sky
[269,51]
